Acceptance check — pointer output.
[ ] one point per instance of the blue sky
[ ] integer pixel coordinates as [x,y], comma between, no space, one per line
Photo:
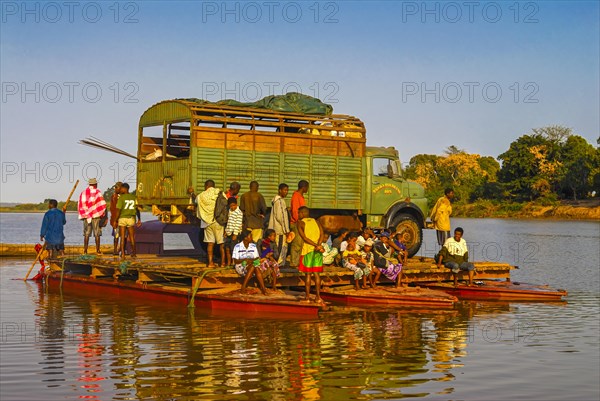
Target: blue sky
[421,75]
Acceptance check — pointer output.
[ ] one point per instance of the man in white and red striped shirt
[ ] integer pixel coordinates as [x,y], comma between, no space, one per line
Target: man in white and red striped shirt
[91,208]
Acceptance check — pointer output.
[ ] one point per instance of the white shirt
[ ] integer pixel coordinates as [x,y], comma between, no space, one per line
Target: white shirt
[360,242]
[343,246]
[241,252]
[456,248]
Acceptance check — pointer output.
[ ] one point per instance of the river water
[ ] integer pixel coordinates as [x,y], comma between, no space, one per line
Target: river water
[67,346]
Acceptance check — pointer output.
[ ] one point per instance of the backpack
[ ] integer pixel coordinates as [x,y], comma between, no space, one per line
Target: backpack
[221,210]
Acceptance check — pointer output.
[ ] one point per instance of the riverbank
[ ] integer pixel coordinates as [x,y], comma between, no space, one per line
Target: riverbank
[582,210]
[588,209]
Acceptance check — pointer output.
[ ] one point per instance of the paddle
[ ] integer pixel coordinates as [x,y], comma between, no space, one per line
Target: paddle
[35,261]
[69,197]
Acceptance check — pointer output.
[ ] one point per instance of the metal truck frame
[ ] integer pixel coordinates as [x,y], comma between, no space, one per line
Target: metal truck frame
[183,143]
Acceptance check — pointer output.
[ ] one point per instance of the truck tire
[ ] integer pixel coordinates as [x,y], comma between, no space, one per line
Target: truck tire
[408,224]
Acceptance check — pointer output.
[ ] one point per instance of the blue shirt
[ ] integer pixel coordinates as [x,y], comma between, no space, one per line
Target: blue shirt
[52,227]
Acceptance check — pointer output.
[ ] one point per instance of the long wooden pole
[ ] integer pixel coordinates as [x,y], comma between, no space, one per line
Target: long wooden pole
[39,254]
[70,194]
[35,261]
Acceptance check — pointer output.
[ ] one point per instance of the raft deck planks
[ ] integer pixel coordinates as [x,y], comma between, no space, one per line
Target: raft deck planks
[182,270]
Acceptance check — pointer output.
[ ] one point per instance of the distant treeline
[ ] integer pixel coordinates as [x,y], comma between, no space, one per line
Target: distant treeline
[547,165]
[43,206]
[33,207]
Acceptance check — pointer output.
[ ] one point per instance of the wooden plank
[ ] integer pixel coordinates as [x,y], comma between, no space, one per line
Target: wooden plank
[210,143]
[349,148]
[297,145]
[264,143]
[202,135]
[323,147]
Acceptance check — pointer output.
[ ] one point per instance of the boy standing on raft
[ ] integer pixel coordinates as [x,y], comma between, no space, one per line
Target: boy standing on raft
[127,214]
[311,256]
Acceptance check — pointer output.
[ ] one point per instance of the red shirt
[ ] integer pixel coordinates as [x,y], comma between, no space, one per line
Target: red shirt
[228,194]
[297,202]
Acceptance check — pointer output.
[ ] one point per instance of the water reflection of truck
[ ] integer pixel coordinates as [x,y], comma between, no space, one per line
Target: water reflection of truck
[350,183]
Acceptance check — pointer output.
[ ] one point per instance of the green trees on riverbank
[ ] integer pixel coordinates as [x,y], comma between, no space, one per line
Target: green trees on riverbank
[546,165]
[43,206]
[38,207]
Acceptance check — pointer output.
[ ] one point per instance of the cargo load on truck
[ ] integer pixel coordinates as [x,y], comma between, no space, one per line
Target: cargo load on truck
[291,102]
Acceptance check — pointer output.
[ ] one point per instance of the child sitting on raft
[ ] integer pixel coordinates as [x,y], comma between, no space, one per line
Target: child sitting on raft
[353,260]
[268,264]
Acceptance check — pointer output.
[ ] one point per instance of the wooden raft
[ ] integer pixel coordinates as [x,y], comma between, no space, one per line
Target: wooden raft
[182,271]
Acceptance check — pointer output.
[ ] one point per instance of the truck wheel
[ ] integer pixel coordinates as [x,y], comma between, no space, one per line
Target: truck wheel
[413,232]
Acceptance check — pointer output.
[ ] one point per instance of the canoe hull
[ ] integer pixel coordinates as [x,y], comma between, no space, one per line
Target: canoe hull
[279,303]
[410,296]
[502,291]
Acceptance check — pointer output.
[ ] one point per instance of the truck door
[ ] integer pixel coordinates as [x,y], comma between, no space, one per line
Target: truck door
[384,190]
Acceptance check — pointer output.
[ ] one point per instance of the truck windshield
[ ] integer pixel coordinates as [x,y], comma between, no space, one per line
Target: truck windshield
[381,167]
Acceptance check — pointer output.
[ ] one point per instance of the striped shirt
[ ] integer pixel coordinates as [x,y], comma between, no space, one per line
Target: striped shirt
[91,203]
[234,222]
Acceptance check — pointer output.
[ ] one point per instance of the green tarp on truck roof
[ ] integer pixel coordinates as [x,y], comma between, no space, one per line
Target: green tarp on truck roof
[291,102]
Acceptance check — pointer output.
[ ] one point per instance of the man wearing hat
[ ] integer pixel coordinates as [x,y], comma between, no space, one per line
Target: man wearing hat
[91,207]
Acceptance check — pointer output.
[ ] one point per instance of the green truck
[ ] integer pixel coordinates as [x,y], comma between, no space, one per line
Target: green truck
[182,143]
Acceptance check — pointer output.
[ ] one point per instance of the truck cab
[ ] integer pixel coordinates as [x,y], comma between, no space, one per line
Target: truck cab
[392,201]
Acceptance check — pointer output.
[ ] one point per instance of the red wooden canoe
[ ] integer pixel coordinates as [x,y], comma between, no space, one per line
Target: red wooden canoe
[277,302]
[253,301]
[500,291]
[403,296]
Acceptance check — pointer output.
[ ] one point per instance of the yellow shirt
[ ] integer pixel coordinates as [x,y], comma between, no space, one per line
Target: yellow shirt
[355,254]
[440,214]
[312,232]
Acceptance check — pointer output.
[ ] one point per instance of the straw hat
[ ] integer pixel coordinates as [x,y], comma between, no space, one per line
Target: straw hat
[93,181]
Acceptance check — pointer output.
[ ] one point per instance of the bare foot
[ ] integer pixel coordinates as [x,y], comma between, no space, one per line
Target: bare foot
[211,265]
